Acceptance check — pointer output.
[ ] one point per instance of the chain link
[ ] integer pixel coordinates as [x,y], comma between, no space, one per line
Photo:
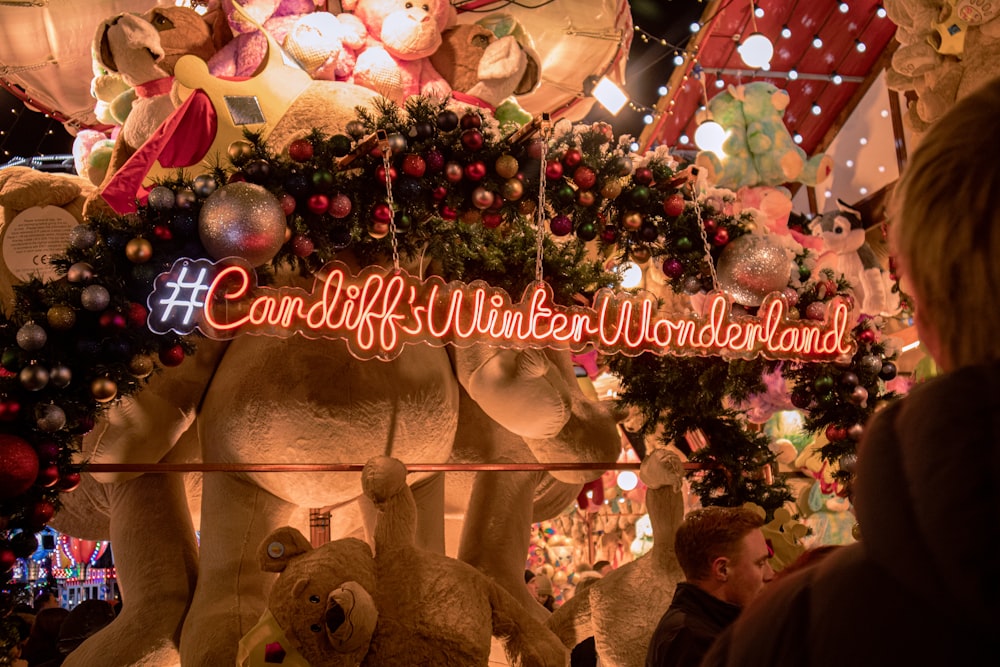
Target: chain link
[544,131]
[387,166]
[704,238]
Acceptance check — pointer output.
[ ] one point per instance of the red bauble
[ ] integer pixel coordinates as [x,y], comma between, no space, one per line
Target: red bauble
[48,451]
[585,198]
[471,121]
[472,140]
[673,205]
[9,410]
[302,245]
[287,202]
[238,177]
[710,225]
[448,213]
[439,193]
[300,150]
[41,513]
[453,172]
[584,177]
[435,160]
[112,321]
[18,465]
[835,433]
[414,165]
[47,475]
[553,170]
[162,232]
[867,336]
[475,171]
[816,310]
[380,173]
[609,235]
[381,213]
[340,205]
[69,481]
[172,355]
[572,158]
[318,204]
[136,315]
[643,176]
[721,236]
[492,219]
[536,148]
[7,557]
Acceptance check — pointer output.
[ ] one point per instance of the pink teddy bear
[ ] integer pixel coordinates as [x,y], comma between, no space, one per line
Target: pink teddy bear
[402,35]
[243,55]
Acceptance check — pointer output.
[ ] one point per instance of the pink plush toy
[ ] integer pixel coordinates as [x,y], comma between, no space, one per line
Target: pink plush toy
[243,55]
[402,36]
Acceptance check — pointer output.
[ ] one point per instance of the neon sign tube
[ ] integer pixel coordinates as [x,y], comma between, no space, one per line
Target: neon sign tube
[378,311]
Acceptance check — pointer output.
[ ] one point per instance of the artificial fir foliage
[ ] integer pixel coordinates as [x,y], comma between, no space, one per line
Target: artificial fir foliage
[464,204]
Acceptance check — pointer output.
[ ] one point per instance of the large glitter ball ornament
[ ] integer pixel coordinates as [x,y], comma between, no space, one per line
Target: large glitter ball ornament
[95,298]
[31,337]
[751,267]
[82,237]
[18,465]
[243,220]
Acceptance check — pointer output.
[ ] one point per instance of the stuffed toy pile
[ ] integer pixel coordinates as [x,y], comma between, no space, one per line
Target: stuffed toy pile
[947,49]
[758,150]
[340,605]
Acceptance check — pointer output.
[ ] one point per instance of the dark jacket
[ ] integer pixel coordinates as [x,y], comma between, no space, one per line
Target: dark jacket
[922,587]
[689,626]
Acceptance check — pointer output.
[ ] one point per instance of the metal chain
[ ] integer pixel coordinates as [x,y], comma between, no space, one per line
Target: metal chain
[540,213]
[387,166]
[704,238]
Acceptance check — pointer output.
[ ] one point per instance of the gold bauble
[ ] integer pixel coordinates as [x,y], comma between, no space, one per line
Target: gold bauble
[513,189]
[526,207]
[61,318]
[506,166]
[140,365]
[103,389]
[632,220]
[240,149]
[611,189]
[139,251]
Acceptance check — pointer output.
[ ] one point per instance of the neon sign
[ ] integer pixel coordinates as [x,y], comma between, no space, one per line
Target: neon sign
[378,311]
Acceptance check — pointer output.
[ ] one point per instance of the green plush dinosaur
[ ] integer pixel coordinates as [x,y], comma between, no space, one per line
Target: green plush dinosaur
[736,167]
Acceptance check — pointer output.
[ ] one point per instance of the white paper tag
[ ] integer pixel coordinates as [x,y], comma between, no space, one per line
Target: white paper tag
[33,237]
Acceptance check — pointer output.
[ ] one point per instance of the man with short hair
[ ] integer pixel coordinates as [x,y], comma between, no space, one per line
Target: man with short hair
[725,559]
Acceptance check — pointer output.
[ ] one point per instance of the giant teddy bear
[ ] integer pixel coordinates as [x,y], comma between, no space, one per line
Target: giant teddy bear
[339,605]
[621,610]
[254,406]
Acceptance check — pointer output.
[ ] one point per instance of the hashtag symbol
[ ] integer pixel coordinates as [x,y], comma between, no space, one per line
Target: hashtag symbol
[186,294]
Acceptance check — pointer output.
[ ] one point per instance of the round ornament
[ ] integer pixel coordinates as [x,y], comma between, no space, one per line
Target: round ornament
[60,376]
[302,245]
[572,158]
[447,120]
[472,140]
[18,465]
[632,220]
[185,198]
[553,170]
[611,189]
[243,220]
[82,237]
[506,166]
[561,225]
[161,197]
[172,355]
[139,251]
[414,165]
[80,272]
[475,171]
[586,231]
[34,377]
[103,389]
[50,418]
[584,177]
[340,205]
[68,481]
[512,189]
[482,198]
[204,185]
[673,205]
[300,150]
[239,150]
[751,267]
[31,337]
[95,298]
[721,237]
[140,365]
[585,198]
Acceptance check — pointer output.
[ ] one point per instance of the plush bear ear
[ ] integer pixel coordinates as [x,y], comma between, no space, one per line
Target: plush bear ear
[280,547]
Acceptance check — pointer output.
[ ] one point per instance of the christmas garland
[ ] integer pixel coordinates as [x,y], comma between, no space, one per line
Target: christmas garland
[464,199]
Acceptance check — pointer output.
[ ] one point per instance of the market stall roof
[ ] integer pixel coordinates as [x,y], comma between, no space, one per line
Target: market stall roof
[824,76]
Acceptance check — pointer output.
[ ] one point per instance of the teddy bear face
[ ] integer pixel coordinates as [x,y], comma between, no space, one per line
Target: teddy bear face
[841,231]
[408,29]
[321,600]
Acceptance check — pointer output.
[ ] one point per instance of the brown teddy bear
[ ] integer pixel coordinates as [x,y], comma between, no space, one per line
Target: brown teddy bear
[405,606]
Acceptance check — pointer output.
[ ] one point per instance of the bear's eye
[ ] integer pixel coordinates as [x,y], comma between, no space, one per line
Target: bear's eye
[409,5]
[315,627]
[427,8]
[480,41]
[161,22]
[314,599]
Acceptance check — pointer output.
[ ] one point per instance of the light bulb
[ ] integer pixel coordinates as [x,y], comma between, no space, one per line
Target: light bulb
[683,139]
[610,95]
[797,138]
[844,7]
[694,27]
[860,46]
[817,42]
[631,275]
[647,119]
[709,137]
[793,74]
[627,480]
[880,12]
[817,109]
[719,83]
[837,79]
[756,50]
[678,60]
[786,32]
[662,90]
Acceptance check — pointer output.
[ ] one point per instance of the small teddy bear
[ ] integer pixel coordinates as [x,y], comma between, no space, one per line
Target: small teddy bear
[402,36]
[243,54]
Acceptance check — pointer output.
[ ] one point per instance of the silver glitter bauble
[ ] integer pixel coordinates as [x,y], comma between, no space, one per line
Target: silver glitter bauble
[50,418]
[205,185]
[161,197]
[31,337]
[95,298]
[751,267]
[82,237]
[242,220]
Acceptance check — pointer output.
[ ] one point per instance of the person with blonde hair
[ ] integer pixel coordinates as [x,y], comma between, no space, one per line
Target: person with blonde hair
[920,587]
